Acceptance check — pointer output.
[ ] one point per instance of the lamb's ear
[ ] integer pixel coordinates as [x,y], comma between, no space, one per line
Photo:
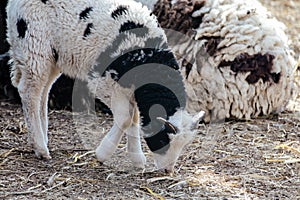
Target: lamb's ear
[170,127]
[197,118]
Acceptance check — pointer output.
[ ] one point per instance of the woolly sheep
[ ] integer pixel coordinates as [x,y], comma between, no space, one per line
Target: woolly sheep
[234,55]
[101,42]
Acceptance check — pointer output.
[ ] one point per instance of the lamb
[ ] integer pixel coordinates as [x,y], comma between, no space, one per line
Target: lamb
[116,47]
[234,55]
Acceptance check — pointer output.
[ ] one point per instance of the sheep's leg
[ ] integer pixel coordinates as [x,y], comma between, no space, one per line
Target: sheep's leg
[30,89]
[134,147]
[109,143]
[55,73]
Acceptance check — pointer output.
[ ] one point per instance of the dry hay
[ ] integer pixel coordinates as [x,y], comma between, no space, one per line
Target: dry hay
[258,159]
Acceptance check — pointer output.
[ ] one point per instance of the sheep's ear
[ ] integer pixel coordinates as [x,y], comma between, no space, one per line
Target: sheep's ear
[170,127]
[197,118]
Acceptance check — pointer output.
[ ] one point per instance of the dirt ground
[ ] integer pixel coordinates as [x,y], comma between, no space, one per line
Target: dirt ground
[257,159]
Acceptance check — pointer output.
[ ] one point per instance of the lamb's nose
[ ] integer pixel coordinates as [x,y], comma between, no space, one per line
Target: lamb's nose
[169,170]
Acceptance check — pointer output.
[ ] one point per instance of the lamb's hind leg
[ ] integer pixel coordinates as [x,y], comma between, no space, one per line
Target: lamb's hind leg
[30,89]
[55,73]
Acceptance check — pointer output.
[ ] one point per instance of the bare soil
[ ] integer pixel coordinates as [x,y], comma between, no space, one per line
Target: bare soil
[256,159]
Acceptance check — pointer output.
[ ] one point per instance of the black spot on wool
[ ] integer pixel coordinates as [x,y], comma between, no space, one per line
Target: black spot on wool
[139,57]
[44,1]
[259,66]
[85,14]
[121,10]
[21,27]
[87,31]
[141,30]
[55,54]
[154,51]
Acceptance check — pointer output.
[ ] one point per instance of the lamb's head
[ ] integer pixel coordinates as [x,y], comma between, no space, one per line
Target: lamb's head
[168,144]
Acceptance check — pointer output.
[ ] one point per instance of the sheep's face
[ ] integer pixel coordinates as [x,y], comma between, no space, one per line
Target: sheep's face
[169,143]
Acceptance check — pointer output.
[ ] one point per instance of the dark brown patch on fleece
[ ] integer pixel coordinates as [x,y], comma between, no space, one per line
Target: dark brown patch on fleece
[187,66]
[259,65]
[178,16]
[211,44]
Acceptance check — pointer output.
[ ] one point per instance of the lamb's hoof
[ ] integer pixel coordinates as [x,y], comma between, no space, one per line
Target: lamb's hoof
[102,155]
[138,160]
[43,155]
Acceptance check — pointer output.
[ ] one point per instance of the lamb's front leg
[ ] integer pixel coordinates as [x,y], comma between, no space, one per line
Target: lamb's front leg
[109,143]
[134,147]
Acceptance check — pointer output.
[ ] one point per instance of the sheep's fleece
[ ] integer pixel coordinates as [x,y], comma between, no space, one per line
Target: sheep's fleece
[234,55]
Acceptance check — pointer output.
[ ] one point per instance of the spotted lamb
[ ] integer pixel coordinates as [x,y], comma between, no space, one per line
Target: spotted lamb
[116,47]
[233,54]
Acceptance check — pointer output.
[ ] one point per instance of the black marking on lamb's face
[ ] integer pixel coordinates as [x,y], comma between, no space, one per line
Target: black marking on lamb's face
[160,142]
[155,94]
[55,54]
[121,10]
[260,66]
[85,14]
[21,27]
[87,31]
[44,1]
[139,29]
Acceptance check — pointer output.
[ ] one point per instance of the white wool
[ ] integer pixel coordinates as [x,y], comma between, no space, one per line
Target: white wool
[256,33]
[244,27]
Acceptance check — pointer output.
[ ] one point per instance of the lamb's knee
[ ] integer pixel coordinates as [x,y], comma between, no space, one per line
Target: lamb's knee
[123,107]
